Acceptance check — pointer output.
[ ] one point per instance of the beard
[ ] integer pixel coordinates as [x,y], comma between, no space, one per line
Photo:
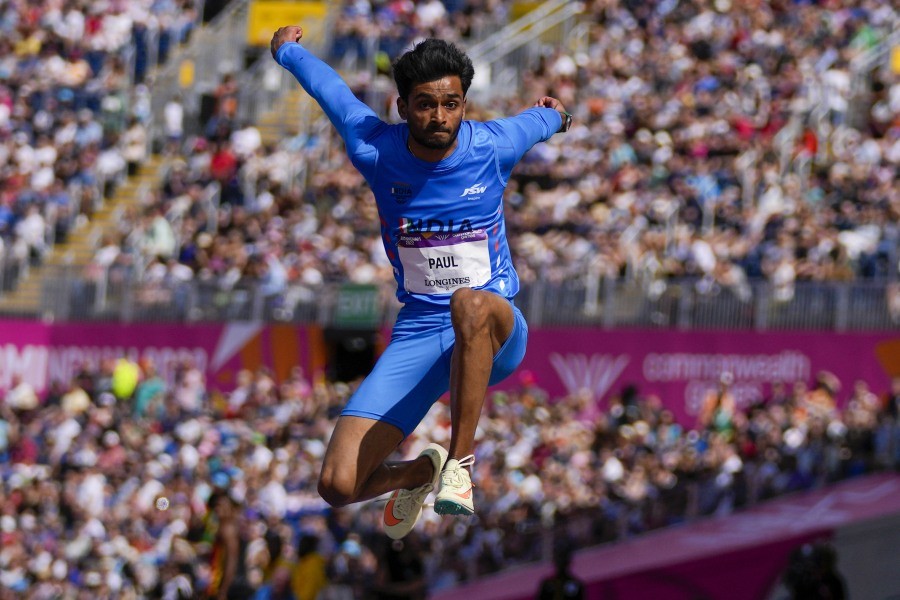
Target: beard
[424,139]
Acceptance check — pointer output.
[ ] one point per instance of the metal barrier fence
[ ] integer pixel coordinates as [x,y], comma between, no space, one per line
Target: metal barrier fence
[118,295]
[695,304]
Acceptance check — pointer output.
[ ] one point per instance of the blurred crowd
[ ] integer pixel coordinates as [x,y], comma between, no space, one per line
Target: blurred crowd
[84,468]
[683,113]
[74,111]
[377,30]
[712,141]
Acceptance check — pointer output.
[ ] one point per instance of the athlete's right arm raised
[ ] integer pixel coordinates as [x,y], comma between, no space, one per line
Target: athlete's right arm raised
[353,119]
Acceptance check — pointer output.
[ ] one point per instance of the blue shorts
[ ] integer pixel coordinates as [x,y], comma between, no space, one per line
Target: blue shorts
[414,370]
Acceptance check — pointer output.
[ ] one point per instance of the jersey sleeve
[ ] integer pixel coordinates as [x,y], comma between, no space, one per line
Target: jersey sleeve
[353,119]
[516,135]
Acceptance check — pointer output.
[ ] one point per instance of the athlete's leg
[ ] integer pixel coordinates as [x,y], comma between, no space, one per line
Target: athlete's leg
[482,321]
[407,379]
[490,343]
[354,468]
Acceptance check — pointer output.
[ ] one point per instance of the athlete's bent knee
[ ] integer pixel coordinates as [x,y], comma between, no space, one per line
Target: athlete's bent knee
[469,310]
[335,492]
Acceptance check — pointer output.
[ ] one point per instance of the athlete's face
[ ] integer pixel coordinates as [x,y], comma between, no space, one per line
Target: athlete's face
[434,111]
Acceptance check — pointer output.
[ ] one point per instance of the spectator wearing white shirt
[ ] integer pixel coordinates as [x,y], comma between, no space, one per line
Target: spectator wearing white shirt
[33,230]
[134,140]
[173,123]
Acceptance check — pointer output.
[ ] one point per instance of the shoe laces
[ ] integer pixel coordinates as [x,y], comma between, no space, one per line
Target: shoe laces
[411,500]
[459,476]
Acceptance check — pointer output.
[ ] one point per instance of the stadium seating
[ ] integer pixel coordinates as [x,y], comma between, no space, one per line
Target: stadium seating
[73,118]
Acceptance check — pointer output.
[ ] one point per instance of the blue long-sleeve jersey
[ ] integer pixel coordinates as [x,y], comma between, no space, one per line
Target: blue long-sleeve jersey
[441,223]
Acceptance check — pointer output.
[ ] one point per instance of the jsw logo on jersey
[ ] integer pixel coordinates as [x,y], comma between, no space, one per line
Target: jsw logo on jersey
[475,189]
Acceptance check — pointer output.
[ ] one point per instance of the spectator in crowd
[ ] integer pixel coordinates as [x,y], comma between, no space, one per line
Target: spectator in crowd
[562,584]
[173,123]
[718,410]
[308,577]
[228,577]
[134,141]
[401,571]
[812,574]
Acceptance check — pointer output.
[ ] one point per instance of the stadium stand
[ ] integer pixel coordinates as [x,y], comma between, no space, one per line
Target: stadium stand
[713,159]
[734,203]
[73,106]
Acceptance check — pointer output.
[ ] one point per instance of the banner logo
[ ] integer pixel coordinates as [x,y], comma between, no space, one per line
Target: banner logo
[597,372]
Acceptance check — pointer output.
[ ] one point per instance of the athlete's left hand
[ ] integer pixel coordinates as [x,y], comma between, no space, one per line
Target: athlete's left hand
[549,102]
[290,33]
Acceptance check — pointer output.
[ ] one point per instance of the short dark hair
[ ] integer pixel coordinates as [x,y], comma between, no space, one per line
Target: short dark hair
[429,60]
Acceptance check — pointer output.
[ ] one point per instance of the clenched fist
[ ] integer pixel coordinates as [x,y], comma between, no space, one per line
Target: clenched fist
[290,33]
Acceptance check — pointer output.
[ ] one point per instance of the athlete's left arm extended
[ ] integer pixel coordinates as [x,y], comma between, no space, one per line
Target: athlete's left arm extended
[353,119]
[514,136]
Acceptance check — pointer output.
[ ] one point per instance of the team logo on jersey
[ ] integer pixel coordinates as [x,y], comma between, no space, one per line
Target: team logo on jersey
[474,191]
[401,191]
[428,227]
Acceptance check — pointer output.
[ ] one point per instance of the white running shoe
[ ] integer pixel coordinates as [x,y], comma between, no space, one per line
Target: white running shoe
[404,507]
[455,496]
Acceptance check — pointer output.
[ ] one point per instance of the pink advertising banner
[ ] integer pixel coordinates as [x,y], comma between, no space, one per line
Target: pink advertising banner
[41,353]
[681,367]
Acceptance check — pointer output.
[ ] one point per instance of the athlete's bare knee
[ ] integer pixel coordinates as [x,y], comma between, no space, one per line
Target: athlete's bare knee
[469,311]
[334,490]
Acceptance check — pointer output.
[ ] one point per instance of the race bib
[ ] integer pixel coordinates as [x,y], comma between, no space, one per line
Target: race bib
[441,263]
